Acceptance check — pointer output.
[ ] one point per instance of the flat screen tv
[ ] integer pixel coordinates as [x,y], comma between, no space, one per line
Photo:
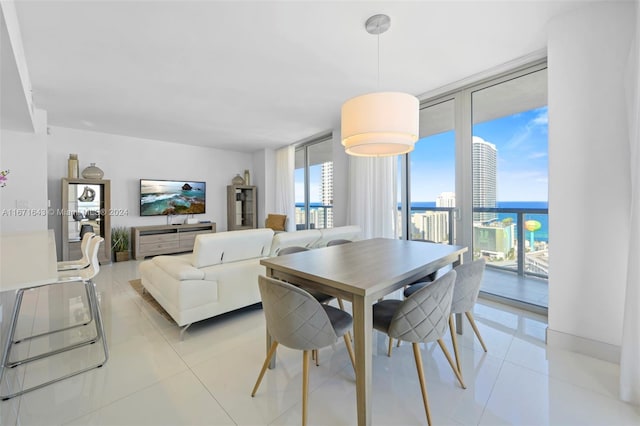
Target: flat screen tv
[171,197]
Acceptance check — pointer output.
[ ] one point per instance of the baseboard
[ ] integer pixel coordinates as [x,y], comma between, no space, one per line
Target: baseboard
[582,345]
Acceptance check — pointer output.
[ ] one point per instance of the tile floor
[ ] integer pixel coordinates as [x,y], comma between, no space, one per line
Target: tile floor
[153,378]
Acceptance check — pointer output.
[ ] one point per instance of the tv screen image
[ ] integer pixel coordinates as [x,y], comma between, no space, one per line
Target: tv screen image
[171,197]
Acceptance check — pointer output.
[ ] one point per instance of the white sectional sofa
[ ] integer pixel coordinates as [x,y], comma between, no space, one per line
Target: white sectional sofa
[221,275]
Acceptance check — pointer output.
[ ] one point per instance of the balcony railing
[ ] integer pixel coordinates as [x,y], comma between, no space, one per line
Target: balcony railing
[320,216]
[501,239]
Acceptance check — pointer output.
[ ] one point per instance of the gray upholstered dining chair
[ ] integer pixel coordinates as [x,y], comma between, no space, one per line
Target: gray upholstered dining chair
[320,297]
[297,320]
[417,319]
[337,242]
[465,295]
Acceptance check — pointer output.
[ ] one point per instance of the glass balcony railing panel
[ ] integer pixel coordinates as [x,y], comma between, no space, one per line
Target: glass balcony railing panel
[320,216]
[431,223]
[515,239]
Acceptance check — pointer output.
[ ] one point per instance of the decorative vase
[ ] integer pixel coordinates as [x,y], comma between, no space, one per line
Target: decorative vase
[92,172]
[73,167]
[247,177]
[237,180]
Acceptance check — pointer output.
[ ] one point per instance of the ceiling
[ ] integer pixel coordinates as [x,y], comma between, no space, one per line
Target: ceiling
[250,75]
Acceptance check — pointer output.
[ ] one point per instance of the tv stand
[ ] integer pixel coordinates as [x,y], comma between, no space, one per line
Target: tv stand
[166,239]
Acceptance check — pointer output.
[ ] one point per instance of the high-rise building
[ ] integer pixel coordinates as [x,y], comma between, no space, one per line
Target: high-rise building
[484,178]
[446,199]
[326,195]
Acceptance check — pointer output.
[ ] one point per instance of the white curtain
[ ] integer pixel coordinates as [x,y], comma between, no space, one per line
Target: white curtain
[630,356]
[285,185]
[373,202]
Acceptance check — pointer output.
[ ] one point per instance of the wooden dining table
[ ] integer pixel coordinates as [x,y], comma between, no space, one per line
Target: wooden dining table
[362,272]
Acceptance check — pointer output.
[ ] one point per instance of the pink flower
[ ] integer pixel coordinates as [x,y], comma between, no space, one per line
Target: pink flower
[3,178]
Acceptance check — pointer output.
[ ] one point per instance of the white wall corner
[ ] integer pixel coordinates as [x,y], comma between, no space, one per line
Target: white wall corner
[582,345]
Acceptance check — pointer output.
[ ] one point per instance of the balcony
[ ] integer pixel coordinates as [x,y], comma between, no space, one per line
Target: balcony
[320,216]
[513,240]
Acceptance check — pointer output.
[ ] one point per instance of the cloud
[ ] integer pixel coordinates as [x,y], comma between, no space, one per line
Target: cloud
[538,123]
[536,155]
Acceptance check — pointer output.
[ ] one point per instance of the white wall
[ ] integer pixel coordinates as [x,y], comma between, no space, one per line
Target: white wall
[23,201]
[125,160]
[264,177]
[588,176]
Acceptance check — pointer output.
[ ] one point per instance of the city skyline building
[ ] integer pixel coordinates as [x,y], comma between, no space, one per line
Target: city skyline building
[446,199]
[484,178]
[326,194]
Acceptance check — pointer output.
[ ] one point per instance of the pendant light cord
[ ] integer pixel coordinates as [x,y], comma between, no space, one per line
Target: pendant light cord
[378,83]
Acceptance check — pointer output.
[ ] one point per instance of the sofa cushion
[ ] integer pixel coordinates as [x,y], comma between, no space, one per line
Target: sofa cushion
[178,267]
[306,238]
[224,247]
[276,221]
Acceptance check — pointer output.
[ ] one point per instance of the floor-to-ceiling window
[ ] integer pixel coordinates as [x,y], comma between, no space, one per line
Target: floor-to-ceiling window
[432,176]
[510,179]
[478,177]
[314,184]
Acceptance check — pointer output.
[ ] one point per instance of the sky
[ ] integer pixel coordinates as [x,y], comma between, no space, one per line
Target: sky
[521,141]
[522,149]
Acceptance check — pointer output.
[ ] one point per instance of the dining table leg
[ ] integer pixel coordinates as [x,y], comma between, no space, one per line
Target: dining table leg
[362,331]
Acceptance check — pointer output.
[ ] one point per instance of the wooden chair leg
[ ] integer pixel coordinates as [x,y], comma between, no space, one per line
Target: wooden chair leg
[305,385]
[475,329]
[341,305]
[390,346]
[454,340]
[423,386]
[453,367]
[272,350]
[398,344]
[347,342]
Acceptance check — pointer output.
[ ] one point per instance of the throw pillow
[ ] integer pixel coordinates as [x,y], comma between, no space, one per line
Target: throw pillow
[276,222]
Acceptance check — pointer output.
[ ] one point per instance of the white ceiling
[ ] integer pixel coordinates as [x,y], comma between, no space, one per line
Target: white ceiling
[249,75]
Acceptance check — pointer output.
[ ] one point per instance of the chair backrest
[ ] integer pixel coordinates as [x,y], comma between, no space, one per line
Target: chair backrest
[84,246]
[337,242]
[424,316]
[94,265]
[467,286]
[292,249]
[295,319]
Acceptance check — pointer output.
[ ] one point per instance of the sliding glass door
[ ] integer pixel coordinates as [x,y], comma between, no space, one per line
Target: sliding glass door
[432,175]
[478,177]
[314,184]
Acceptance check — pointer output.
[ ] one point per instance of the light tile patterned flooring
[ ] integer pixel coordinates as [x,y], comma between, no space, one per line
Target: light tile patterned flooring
[153,378]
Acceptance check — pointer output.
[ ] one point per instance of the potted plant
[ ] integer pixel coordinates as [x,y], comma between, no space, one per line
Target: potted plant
[120,243]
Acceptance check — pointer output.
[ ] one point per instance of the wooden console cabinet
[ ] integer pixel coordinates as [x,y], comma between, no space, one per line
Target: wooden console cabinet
[166,239]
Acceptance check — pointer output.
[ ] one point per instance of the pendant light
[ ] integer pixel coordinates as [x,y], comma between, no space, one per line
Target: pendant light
[380,124]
